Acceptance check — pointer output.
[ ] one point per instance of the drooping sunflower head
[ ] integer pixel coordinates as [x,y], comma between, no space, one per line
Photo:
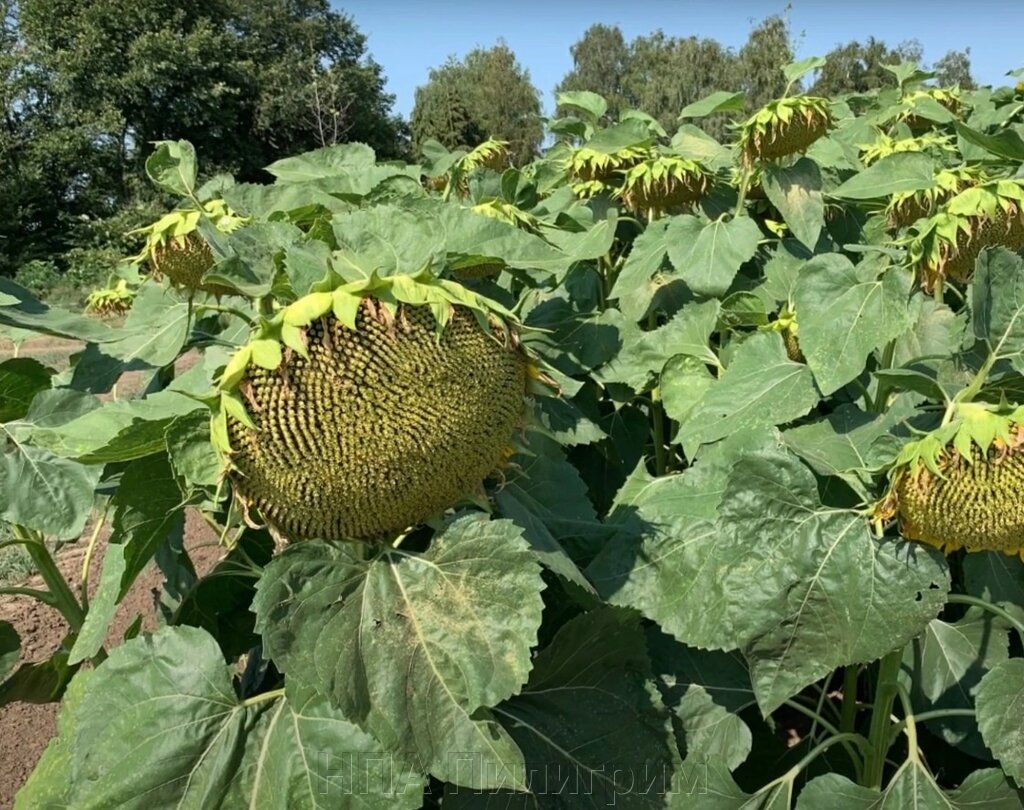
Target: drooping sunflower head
[111,301]
[906,207]
[947,244]
[174,249]
[914,104]
[885,145]
[661,182]
[962,486]
[587,165]
[784,127]
[357,413]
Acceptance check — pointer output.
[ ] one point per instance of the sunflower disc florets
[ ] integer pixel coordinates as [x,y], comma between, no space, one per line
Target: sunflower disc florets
[356,414]
[963,485]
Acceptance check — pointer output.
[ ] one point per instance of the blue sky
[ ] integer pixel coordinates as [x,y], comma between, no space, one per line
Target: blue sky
[408,37]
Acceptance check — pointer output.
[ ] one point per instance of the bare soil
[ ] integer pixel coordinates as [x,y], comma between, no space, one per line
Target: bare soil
[26,728]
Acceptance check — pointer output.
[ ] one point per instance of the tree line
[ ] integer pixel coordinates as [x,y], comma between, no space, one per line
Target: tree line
[249,81]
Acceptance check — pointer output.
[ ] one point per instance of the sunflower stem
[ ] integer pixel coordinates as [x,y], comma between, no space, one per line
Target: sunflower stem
[974,601]
[886,690]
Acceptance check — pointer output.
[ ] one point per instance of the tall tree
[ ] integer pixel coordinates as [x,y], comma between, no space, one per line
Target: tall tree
[767,50]
[242,79]
[955,69]
[488,94]
[859,68]
[441,111]
[247,81]
[600,62]
[667,73]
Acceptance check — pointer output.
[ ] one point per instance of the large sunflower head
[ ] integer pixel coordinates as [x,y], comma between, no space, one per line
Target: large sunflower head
[784,127]
[358,412]
[947,244]
[962,486]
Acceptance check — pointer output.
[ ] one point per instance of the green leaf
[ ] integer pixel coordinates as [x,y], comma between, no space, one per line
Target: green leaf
[305,754]
[620,136]
[194,459]
[636,283]
[760,388]
[548,500]
[413,647]
[841,443]
[795,71]
[997,578]
[205,746]
[155,329]
[21,378]
[997,304]
[1005,143]
[845,312]
[147,510]
[796,191]
[247,259]
[708,257]
[119,430]
[29,314]
[1000,702]
[644,354]
[719,101]
[911,786]
[172,166]
[905,171]
[942,668]
[798,587]
[306,264]
[10,649]
[705,690]
[102,606]
[619,752]
[44,492]
[839,595]
[590,103]
[684,382]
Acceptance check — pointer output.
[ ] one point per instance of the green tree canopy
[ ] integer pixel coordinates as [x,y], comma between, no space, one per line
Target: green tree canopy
[246,81]
[486,95]
[600,62]
[661,74]
[860,67]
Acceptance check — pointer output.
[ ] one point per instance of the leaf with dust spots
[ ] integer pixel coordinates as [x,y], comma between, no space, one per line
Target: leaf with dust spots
[414,647]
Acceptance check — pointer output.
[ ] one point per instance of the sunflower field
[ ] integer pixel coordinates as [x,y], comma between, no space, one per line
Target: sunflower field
[661,472]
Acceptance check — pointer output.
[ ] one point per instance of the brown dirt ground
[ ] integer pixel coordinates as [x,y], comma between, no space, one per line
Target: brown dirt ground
[26,728]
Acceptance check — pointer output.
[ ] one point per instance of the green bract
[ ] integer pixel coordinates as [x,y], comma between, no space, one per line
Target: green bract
[885,145]
[662,182]
[906,207]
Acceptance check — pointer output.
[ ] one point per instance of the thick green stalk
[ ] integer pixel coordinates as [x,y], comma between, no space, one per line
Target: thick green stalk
[966,599]
[848,719]
[879,736]
[63,598]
